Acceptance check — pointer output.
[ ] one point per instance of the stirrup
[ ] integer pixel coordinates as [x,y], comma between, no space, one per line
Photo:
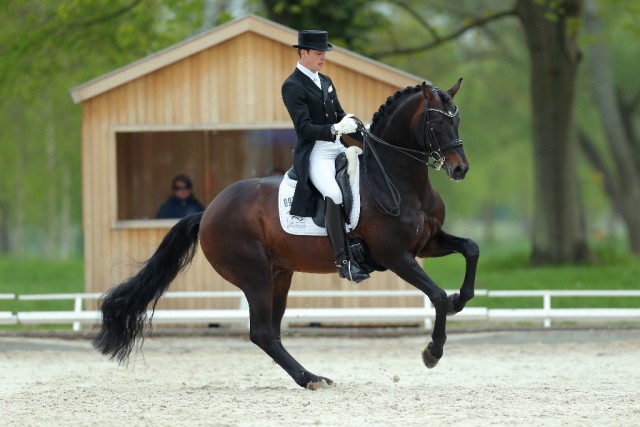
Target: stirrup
[350,270]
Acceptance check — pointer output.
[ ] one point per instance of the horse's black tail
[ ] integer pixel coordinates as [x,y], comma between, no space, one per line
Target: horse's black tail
[124,308]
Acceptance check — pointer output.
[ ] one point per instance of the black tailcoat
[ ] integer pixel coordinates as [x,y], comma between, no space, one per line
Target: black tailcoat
[313,111]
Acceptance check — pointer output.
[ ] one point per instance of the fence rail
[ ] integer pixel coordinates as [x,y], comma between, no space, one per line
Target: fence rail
[422,313]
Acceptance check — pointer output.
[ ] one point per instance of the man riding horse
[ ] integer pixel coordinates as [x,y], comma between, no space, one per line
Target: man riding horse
[240,233]
[319,121]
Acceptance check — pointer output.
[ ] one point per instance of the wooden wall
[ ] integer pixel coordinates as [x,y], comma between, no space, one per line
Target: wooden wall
[234,84]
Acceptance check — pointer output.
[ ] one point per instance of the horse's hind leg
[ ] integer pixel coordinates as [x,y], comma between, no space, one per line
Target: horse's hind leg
[281,286]
[266,308]
[445,244]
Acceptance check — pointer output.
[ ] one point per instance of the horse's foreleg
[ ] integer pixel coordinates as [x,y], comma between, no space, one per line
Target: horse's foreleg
[410,271]
[445,244]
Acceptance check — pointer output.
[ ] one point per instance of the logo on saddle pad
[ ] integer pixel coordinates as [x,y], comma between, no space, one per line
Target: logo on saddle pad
[305,226]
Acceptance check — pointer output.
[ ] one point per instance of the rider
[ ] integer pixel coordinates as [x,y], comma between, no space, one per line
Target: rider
[319,121]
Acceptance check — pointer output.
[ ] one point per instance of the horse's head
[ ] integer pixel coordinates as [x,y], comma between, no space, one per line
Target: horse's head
[436,130]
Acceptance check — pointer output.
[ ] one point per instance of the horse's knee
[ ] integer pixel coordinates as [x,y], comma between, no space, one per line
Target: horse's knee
[440,300]
[471,249]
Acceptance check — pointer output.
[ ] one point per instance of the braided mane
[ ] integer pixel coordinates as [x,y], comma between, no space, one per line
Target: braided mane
[392,102]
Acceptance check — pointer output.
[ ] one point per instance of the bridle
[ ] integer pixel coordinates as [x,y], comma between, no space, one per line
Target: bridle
[430,149]
[429,143]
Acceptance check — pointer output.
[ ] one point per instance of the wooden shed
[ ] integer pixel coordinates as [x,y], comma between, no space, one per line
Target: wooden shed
[209,107]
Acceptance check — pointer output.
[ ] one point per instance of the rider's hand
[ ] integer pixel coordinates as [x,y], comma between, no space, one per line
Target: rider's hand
[346,125]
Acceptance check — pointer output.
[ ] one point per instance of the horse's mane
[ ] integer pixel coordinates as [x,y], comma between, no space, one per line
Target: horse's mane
[392,103]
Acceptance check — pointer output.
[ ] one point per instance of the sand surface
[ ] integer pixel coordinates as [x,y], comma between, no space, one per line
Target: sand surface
[563,378]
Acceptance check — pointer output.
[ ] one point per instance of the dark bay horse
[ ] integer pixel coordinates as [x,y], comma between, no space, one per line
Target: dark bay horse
[241,236]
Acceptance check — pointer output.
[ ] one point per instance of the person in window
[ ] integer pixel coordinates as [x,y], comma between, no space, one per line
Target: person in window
[182,202]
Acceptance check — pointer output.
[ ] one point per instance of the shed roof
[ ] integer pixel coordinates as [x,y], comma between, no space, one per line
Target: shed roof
[222,33]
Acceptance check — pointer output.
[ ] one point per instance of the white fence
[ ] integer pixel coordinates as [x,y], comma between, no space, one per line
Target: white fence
[7,317]
[422,313]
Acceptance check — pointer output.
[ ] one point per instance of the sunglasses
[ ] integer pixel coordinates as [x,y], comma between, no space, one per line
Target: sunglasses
[178,188]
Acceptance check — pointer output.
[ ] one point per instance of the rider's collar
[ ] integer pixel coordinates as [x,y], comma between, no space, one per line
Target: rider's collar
[307,72]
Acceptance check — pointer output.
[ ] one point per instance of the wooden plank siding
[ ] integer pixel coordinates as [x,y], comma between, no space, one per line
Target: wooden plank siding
[234,84]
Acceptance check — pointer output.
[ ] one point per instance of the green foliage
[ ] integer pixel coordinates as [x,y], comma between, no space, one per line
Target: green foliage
[494,102]
[349,22]
[46,48]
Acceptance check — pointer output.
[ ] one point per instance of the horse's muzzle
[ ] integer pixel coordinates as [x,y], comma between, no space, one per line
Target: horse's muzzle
[459,171]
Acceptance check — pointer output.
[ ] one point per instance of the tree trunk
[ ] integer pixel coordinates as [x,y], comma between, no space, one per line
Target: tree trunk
[4,228]
[559,230]
[627,176]
[51,222]
[20,180]
[65,216]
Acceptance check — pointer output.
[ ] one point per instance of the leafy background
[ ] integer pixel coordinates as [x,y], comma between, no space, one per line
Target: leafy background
[47,48]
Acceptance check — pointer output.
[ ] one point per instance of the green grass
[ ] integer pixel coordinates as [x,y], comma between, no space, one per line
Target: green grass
[507,267]
[503,266]
[37,276]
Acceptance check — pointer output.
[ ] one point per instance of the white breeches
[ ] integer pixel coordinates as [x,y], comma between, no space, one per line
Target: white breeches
[322,169]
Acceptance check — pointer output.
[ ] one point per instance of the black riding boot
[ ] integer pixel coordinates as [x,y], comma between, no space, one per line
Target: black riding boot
[347,268]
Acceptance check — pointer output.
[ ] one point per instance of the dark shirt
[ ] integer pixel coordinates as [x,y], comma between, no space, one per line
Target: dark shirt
[175,207]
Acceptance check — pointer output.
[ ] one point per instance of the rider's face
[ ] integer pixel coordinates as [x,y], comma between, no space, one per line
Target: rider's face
[313,60]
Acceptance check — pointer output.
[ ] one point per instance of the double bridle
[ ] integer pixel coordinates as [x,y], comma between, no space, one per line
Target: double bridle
[429,143]
[434,149]
[430,149]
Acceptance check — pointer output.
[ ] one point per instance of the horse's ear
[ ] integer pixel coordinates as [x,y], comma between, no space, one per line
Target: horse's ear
[455,88]
[427,91]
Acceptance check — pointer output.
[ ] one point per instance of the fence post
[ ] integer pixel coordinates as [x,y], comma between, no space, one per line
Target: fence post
[428,324]
[77,309]
[546,300]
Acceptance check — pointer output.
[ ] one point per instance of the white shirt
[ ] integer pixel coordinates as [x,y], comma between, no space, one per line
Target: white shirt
[313,76]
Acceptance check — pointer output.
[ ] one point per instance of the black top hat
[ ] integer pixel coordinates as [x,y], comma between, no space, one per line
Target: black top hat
[313,39]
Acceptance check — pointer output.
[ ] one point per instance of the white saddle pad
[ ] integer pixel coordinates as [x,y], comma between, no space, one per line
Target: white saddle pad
[304,226]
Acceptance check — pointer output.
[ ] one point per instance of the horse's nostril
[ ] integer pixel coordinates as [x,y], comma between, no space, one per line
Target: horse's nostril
[460,171]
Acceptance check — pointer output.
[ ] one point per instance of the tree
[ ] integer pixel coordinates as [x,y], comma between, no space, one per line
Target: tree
[559,230]
[550,28]
[348,22]
[616,109]
[46,48]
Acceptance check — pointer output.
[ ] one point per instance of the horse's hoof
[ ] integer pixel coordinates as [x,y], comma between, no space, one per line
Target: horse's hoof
[320,383]
[430,361]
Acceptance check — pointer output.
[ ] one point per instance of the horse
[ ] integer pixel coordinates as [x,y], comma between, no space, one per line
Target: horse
[402,218]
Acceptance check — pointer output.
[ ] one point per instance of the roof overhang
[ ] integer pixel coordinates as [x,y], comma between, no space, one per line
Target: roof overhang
[222,33]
